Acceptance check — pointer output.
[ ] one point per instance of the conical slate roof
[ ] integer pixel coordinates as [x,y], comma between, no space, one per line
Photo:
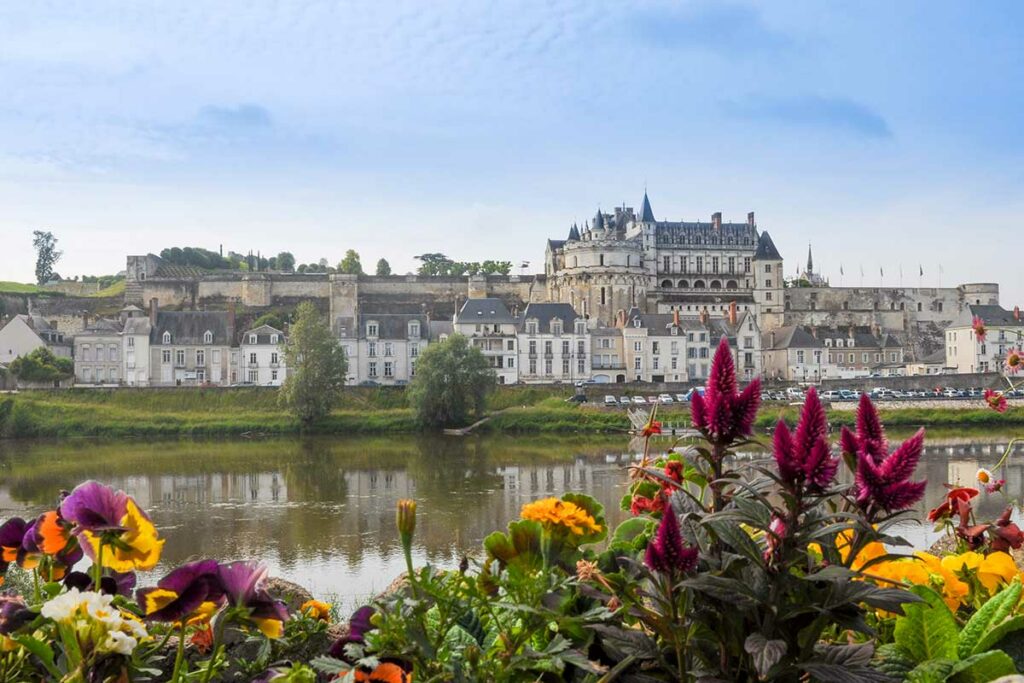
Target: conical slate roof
[766,248]
[599,221]
[574,234]
[646,214]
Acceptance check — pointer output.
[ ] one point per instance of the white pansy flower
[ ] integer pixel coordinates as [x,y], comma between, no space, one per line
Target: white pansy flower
[63,607]
[118,642]
[100,608]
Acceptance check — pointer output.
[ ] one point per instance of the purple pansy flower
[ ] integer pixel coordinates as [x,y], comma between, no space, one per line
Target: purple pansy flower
[358,626]
[242,583]
[95,507]
[181,593]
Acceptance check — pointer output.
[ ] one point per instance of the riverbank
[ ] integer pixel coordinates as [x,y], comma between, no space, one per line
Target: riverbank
[248,411]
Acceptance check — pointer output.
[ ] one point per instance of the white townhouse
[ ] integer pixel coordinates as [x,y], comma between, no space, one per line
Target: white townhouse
[655,346]
[553,344]
[193,348]
[793,354]
[25,333]
[135,343]
[492,329]
[383,348]
[98,354]
[965,353]
[261,356]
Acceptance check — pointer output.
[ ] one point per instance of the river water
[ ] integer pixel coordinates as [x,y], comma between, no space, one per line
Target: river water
[321,511]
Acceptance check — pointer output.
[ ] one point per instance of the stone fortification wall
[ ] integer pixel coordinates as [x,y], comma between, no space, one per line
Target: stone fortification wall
[69,313]
[72,288]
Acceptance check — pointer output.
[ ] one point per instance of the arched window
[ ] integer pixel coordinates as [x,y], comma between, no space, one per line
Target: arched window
[683,284]
[666,283]
[699,284]
[208,337]
[167,337]
[731,284]
[716,284]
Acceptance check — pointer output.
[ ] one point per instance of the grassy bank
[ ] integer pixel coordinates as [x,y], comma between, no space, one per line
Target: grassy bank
[199,412]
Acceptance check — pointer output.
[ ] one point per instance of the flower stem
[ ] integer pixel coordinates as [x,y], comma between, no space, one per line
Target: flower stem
[407,551]
[36,595]
[180,656]
[97,568]
[209,665]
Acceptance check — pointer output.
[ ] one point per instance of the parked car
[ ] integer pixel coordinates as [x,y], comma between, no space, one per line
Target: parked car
[847,395]
[950,393]
[652,399]
[611,400]
[831,395]
[640,400]
[690,393]
[680,398]
[665,399]
[625,400]
[794,394]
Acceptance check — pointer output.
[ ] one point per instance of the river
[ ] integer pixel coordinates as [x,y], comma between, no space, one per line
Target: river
[320,512]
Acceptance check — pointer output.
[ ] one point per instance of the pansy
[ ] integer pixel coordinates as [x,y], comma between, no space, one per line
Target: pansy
[116,583]
[115,531]
[315,609]
[242,583]
[12,533]
[947,508]
[191,593]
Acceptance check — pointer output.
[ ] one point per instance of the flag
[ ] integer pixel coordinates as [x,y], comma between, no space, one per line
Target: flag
[881,272]
[841,269]
[921,269]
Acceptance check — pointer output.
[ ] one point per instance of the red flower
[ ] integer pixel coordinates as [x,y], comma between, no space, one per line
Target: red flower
[1006,534]
[641,504]
[979,328]
[1014,361]
[805,459]
[995,400]
[651,428]
[723,413]
[952,498]
[883,479]
[996,486]
[674,471]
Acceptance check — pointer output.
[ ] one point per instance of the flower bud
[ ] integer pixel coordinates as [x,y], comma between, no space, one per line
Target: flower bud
[405,519]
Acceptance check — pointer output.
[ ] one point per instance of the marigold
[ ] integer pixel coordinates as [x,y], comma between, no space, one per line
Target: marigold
[316,610]
[553,512]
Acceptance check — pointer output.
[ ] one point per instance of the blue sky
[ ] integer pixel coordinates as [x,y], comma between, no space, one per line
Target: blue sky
[887,134]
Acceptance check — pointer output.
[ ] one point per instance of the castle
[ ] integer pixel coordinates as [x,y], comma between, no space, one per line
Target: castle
[615,262]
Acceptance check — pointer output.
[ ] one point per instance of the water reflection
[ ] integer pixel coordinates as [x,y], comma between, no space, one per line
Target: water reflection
[321,511]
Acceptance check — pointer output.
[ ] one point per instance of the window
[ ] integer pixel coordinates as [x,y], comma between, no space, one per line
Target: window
[216,356]
[131,342]
[674,348]
[700,264]
[208,337]
[252,359]
[556,328]
[606,343]
[850,360]
[274,339]
[732,264]
[112,352]
[414,329]
[179,358]
[601,259]
[565,365]
[389,349]
[800,357]
[389,368]
[412,368]
[767,283]
[893,357]
[371,349]
[878,358]
[511,346]
[746,264]
[167,337]
[372,369]
[655,363]
[531,327]
[637,363]
[565,348]
[767,267]
[414,350]
[581,366]
[252,339]
[533,347]
[87,374]
[714,264]
[547,348]
[273,375]
[273,358]
[638,346]
[602,293]
[675,363]
[254,376]
[200,357]
[533,366]
[748,342]
[371,329]
[166,357]
[864,358]
[85,352]
[767,296]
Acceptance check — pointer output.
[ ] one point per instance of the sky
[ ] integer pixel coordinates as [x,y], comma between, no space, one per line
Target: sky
[887,135]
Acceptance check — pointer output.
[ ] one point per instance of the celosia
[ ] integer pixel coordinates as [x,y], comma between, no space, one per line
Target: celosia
[723,414]
[882,479]
[666,553]
[554,514]
[806,461]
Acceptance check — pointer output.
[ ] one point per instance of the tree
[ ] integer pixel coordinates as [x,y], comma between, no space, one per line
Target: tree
[271,319]
[316,367]
[41,365]
[383,267]
[46,255]
[350,265]
[286,261]
[452,382]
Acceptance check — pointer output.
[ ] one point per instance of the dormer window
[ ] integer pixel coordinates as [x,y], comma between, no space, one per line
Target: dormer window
[167,337]
[208,337]
[675,331]
[274,338]
[531,327]
[252,338]
[850,343]
[636,322]
[414,329]
[372,328]
[581,327]
[556,328]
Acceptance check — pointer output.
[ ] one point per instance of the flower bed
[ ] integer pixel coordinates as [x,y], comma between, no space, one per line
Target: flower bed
[774,571]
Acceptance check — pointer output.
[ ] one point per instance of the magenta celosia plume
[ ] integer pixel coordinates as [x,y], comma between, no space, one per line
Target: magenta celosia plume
[723,413]
[806,459]
[666,553]
[882,479]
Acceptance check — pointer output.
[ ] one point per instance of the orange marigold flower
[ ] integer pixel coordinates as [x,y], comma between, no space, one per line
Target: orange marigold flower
[202,639]
[555,513]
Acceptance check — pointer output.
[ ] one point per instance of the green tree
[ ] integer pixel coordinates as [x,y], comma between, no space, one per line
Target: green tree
[271,319]
[286,261]
[46,255]
[41,365]
[350,265]
[316,366]
[451,384]
[383,267]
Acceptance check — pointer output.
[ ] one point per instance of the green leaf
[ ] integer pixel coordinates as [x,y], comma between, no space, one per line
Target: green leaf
[42,651]
[764,653]
[890,660]
[927,632]
[983,667]
[631,528]
[979,634]
[933,671]
[330,665]
[737,539]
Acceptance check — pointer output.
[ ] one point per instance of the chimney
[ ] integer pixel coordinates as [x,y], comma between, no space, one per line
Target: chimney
[750,220]
[1016,313]
[675,317]
[231,323]
[85,321]
[732,313]
[716,220]
[771,339]
[152,311]
[704,316]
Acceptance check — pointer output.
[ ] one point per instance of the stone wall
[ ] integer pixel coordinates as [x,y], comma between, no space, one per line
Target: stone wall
[920,382]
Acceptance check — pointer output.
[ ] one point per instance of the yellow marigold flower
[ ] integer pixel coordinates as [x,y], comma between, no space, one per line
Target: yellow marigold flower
[984,476]
[553,512]
[316,610]
[995,570]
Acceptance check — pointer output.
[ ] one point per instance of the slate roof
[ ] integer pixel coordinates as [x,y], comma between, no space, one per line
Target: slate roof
[440,327]
[574,234]
[188,327]
[102,327]
[137,326]
[263,334]
[862,338]
[646,214]
[990,315]
[555,245]
[489,310]
[393,325]
[789,337]
[766,248]
[545,313]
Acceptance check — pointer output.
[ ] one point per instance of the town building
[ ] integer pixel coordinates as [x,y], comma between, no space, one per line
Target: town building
[24,334]
[553,344]
[861,353]
[383,348]
[135,333]
[261,356]
[193,348]
[493,330]
[965,353]
[607,355]
[98,354]
[792,354]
